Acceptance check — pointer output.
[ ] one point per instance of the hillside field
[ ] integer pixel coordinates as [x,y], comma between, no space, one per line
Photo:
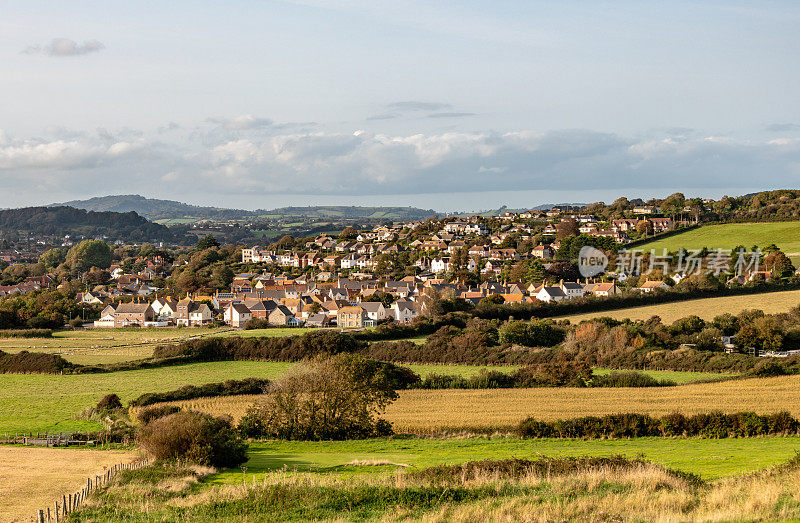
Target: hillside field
[786,235]
[706,308]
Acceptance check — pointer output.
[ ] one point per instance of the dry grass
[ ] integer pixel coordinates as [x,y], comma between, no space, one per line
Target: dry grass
[706,308]
[33,478]
[432,411]
[638,492]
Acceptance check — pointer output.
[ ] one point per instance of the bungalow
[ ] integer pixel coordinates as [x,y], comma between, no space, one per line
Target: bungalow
[651,285]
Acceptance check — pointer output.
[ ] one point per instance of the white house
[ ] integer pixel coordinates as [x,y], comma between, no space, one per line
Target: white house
[548,294]
[237,314]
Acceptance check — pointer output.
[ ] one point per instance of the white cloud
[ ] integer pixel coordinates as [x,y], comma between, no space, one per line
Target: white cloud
[65,47]
[366,163]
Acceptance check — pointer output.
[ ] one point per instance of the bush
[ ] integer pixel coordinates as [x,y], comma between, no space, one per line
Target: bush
[710,425]
[209,390]
[629,379]
[25,362]
[149,414]
[109,402]
[256,323]
[26,333]
[194,437]
[76,323]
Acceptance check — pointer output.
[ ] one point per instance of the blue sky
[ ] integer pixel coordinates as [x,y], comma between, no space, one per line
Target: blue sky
[452,105]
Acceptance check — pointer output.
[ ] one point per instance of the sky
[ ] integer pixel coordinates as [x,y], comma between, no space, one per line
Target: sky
[448,105]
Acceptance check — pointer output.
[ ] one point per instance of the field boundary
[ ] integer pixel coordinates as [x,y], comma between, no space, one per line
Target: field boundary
[72,501]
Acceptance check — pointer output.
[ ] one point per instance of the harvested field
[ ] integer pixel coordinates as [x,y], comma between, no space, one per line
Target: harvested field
[33,478]
[432,411]
[706,308]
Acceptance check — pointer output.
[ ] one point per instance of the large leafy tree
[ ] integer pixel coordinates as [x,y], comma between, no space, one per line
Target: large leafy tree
[88,254]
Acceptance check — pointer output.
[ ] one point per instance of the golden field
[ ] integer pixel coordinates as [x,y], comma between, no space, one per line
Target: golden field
[706,308]
[32,478]
[429,411]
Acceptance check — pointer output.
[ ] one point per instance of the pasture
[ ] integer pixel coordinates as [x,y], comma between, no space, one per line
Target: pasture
[457,410]
[34,477]
[47,402]
[711,458]
[786,235]
[706,308]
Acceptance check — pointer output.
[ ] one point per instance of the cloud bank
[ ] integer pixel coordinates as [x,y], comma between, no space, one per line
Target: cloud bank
[65,47]
[362,163]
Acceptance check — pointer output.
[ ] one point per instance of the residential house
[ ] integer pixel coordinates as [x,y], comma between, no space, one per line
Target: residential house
[280,315]
[126,314]
[237,314]
[352,317]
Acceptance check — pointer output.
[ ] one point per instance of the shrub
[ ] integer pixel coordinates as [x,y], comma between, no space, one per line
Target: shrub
[256,323]
[76,323]
[711,425]
[109,402]
[629,379]
[26,333]
[25,362]
[227,388]
[149,414]
[194,437]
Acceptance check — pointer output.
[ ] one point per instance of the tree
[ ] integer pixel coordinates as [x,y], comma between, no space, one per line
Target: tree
[88,254]
[53,258]
[644,227]
[348,233]
[326,398]
[780,265]
[206,242]
[566,228]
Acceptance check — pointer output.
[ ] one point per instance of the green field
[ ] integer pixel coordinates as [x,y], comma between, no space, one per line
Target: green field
[786,235]
[39,402]
[711,458]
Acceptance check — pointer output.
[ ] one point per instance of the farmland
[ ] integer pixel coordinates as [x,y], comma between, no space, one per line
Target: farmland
[97,346]
[454,410]
[706,308]
[786,235]
[31,478]
[39,402]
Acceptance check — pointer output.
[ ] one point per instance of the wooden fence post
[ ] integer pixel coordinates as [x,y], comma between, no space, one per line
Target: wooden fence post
[57,514]
[48,514]
[41,516]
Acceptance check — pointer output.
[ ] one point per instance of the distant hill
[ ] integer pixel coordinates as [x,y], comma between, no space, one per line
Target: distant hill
[340,211]
[59,221]
[154,209]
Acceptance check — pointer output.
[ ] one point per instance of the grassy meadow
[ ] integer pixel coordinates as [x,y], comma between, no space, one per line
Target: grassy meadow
[39,402]
[545,489]
[706,308]
[786,235]
[709,458]
[34,477]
